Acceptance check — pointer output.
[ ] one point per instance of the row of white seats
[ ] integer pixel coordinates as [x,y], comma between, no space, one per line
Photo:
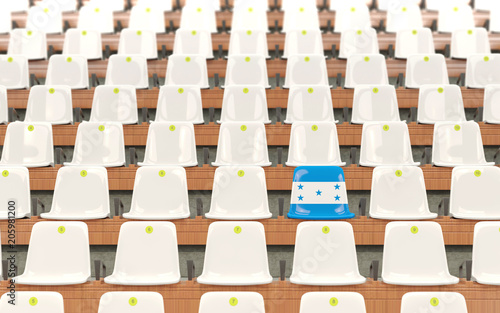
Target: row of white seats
[234,302]
[325,255]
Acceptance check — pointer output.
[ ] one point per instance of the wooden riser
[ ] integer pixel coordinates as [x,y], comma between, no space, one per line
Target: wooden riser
[279,297]
[279,231]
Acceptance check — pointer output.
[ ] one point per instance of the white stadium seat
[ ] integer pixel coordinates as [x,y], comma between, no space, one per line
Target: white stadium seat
[143,17]
[232,302]
[247,70]
[246,42]
[15,186]
[115,104]
[187,70]
[15,72]
[309,104]
[467,42]
[131,302]
[180,103]
[69,69]
[415,41]
[443,302]
[363,69]
[426,70]
[374,103]
[358,41]
[128,70]
[482,70]
[32,301]
[439,103]
[322,302]
[96,18]
[30,43]
[189,41]
[485,253]
[491,113]
[306,70]
[87,43]
[50,104]
[242,103]
[141,42]
[303,41]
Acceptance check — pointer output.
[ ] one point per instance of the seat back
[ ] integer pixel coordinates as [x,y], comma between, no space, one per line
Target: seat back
[444,302]
[491,112]
[4,108]
[50,14]
[454,17]
[306,70]
[439,103]
[50,104]
[486,253]
[247,70]
[145,17]
[15,72]
[187,70]
[131,302]
[247,42]
[193,42]
[374,103]
[96,18]
[30,43]
[304,41]
[15,6]
[232,302]
[201,17]
[426,70]
[128,70]
[467,42]
[322,302]
[308,104]
[113,5]
[87,43]
[358,41]
[33,301]
[301,17]
[404,17]
[353,16]
[114,104]
[165,6]
[180,103]
[244,103]
[141,42]
[366,69]
[15,186]
[249,17]
[69,69]
[482,70]
[415,41]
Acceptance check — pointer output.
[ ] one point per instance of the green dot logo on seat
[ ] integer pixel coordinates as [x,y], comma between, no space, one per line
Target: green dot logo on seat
[180,90]
[61,230]
[188,59]
[440,89]
[69,59]
[310,90]
[116,90]
[414,32]
[334,301]
[149,230]
[199,10]
[426,59]
[307,59]
[367,59]
[129,59]
[241,173]
[247,59]
[97,10]
[249,32]
[434,301]
[325,229]
[399,173]
[84,33]
[10,60]
[470,32]
[250,9]
[477,173]
[193,33]
[301,9]
[233,301]
[314,128]
[52,90]
[33,301]
[375,90]
[404,9]
[237,230]
[46,10]
[353,9]
[486,59]
[457,127]
[161,173]
[304,32]
[139,33]
[245,90]
[5,173]
[148,10]
[455,9]
[243,128]
[29,32]
[83,173]
[385,127]
[101,128]
[359,32]
[31,128]
[172,128]
[132,301]
[414,229]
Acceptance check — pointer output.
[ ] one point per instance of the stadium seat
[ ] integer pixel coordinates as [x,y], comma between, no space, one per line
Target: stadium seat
[96,18]
[30,43]
[454,17]
[141,42]
[87,43]
[4,107]
[249,17]
[213,4]
[160,193]
[115,104]
[314,144]
[458,143]
[426,70]
[58,254]
[32,301]
[485,253]
[405,17]
[63,5]
[170,144]
[187,70]
[15,6]
[15,186]
[193,42]
[99,144]
[302,17]
[440,103]
[128,70]
[247,70]
[358,41]
[386,143]
[309,104]
[436,5]
[242,144]
[495,19]
[241,103]
[131,302]
[303,42]
[50,104]
[68,69]
[5,21]
[338,265]
[255,4]
[398,193]
[366,69]
[15,72]
[113,5]
[322,302]
[147,18]
[491,112]
[387,5]
[416,41]
[443,302]
[232,302]
[374,103]
[295,4]
[163,264]
[199,17]
[414,255]
[28,144]
[51,17]
[239,193]
[467,42]
[165,6]
[482,70]
[248,42]
[483,181]
[353,16]
[306,70]
[178,103]
[247,263]
[70,183]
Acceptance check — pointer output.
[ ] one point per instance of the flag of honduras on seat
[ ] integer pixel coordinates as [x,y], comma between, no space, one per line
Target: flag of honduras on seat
[319,193]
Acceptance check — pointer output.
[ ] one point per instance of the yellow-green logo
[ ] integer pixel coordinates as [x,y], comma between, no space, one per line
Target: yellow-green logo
[314,128]
[414,229]
[243,128]
[399,173]
[477,173]
[359,32]
[486,58]
[33,301]
[69,59]
[249,32]
[426,59]
[385,127]
[188,59]
[193,33]
[247,59]
[83,173]
[10,59]
[149,229]
[233,301]
[353,9]
[161,173]
[132,301]
[199,9]
[116,90]
[440,89]
[129,59]
[414,32]
[172,128]
[241,173]
[61,229]
[29,32]
[101,128]
[404,9]
[148,10]
[307,59]
[367,59]
[304,32]
[139,33]
[375,90]
[457,127]
[237,229]
[325,229]
[5,173]
[31,128]
[469,32]
[334,301]
[52,90]
[180,90]
[84,33]
[97,10]
[245,90]
[434,301]
[310,90]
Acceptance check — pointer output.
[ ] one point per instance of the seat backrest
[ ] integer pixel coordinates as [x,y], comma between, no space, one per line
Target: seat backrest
[312,103]
[180,103]
[306,70]
[141,42]
[249,17]
[495,19]
[171,144]
[96,18]
[482,70]
[255,4]
[201,17]
[436,5]
[247,70]
[193,42]
[388,5]
[148,18]
[131,302]
[439,103]
[486,252]
[467,42]
[457,143]
[404,17]
[453,17]
[15,72]
[15,6]
[64,6]
[33,301]
[415,41]
[352,16]
[491,112]
[213,4]
[232,302]
[58,248]
[244,103]
[358,41]
[426,70]
[366,69]
[68,69]
[87,43]
[296,4]
[443,302]
[374,103]
[246,42]
[15,186]
[28,144]
[50,14]
[99,144]
[165,6]
[115,104]
[187,70]
[5,21]
[30,43]
[322,302]
[4,108]
[113,5]
[302,17]
[128,70]
[304,41]
[50,104]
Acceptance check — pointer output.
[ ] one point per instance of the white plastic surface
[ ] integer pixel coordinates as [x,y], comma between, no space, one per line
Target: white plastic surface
[187,70]
[15,186]
[170,144]
[58,254]
[45,18]
[306,70]
[4,107]
[358,41]
[128,70]
[145,17]
[439,103]
[303,41]
[414,255]
[114,104]
[199,17]
[5,21]
[189,41]
[239,193]
[374,103]
[415,41]
[242,144]
[249,17]
[466,42]
[51,104]
[302,17]
[398,193]
[244,103]
[15,6]
[482,70]
[96,18]
[232,302]
[247,42]
[453,17]
[491,105]
[307,104]
[165,6]
[247,263]
[443,302]
[352,16]
[83,42]
[68,69]
[30,43]
[404,17]
[32,301]
[15,72]
[114,5]
[141,42]
[247,70]
[322,302]
[120,302]
[426,70]
[180,103]
[160,240]
[486,253]
[363,69]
